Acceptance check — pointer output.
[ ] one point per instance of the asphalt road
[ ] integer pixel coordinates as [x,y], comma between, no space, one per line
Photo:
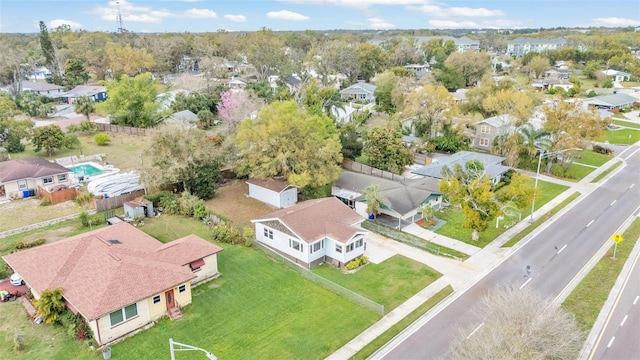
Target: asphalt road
[620,339]
[555,255]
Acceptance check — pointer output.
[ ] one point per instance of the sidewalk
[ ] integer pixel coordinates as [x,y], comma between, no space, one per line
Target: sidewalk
[462,275]
[428,235]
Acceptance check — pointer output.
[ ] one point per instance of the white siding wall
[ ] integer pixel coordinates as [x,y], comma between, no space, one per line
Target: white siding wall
[264,195]
[280,241]
[288,197]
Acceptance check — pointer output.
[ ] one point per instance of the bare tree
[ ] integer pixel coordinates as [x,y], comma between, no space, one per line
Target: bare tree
[518,324]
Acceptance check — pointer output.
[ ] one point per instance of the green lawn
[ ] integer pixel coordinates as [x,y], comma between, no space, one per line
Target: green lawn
[587,299]
[591,157]
[622,136]
[389,283]
[541,220]
[578,172]
[455,218]
[627,123]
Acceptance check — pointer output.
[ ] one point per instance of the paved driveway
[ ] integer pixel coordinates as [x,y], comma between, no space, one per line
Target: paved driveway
[6,285]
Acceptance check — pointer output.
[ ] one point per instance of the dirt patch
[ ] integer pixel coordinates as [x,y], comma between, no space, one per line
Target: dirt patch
[24,212]
[50,235]
[232,201]
[426,224]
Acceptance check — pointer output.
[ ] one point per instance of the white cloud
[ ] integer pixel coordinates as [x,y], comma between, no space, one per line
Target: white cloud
[57,22]
[358,4]
[615,22]
[200,14]
[450,24]
[502,24]
[379,24]
[286,15]
[236,18]
[451,12]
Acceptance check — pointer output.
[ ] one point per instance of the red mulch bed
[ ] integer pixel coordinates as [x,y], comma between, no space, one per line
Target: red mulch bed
[426,224]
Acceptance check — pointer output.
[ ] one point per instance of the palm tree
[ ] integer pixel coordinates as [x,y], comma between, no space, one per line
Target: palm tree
[50,305]
[84,105]
[534,139]
[373,198]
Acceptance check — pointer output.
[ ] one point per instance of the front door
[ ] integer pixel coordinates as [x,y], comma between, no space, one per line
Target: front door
[171,303]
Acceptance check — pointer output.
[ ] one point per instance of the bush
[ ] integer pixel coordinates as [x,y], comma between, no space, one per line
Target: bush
[90,220]
[102,139]
[356,263]
[27,245]
[601,149]
[200,210]
[45,202]
[226,233]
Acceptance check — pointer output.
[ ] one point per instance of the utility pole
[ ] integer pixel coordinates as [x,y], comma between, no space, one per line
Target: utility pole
[119,19]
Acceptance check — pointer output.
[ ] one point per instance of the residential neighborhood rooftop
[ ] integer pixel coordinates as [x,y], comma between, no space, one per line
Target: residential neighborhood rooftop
[34,167]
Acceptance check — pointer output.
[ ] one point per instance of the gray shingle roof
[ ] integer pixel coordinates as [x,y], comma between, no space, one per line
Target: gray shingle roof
[613,100]
[492,164]
[359,88]
[30,168]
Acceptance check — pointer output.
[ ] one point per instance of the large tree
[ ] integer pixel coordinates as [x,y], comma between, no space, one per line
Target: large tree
[518,323]
[48,138]
[235,106]
[132,101]
[286,141]
[265,50]
[570,126]
[385,150]
[126,60]
[432,106]
[190,157]
[470,188]
[12,132]
[538,65]
[471,64]
[372,60]
[47,47]
[84,105]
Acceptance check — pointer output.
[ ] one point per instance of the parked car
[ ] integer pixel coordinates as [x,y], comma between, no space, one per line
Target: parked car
[16,280]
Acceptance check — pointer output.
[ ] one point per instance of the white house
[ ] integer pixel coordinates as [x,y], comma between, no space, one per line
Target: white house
[313,232]
[273,192]
[359,91]
[616,75]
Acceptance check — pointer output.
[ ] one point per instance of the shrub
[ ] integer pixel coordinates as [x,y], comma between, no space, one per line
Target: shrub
[186,204]
[90,220]
[211,220]
[27,245]
[226,233]
[601,149]
[84,200]
[102,139]
[200,210]
[356,263]
[45,202]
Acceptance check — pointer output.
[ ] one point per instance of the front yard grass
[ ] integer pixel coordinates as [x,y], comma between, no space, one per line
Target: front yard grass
[455,217]
[587,299]
[627,123]
[257,309]
[590,157]
[389,283]
[23,212]
[622,136]
[230,201]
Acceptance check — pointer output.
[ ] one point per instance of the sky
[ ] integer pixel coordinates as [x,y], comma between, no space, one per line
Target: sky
[23,16]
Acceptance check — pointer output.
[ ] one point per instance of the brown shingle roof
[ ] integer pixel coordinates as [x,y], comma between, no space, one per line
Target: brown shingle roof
[314,219]
[99,276]
[30,168]
[271,184]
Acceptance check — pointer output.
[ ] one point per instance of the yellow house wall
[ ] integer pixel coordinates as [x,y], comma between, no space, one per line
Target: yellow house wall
[156,311]
[208,270]
[12,187]
[109,333]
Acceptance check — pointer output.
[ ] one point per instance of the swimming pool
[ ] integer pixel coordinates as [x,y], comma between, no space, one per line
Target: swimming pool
[90,171]
[86,169]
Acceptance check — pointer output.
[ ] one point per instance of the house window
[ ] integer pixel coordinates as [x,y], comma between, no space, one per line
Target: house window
[196,265]
[350,247]
[156,299]
[22,184]
[359,243]
[182,288]
[485,129]
[47,180]
[123,314]
[484,142]
[295,245]
[62,178]
[317,246]
[339,248]
[268,233]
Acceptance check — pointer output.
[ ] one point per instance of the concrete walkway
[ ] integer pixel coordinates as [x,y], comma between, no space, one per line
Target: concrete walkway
[429,235]
[461,275]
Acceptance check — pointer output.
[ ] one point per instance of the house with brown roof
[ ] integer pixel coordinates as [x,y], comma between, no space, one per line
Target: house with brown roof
[118,278]
[275,192]
[21,178]
[313,232]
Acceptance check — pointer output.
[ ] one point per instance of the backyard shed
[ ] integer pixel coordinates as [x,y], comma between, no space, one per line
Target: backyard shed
[273,192]
[138,207]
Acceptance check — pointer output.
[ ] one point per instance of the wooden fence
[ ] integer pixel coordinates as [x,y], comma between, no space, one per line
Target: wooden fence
[117,201]
[365,169]
[124,129]
[59,196]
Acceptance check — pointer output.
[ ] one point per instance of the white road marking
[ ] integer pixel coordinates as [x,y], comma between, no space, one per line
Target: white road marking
[474,331]
[636,300]
[627,158]
[632,185]
[611,341]
[623,320]
[525,283]
[590,222]
[613,202]
[562,248]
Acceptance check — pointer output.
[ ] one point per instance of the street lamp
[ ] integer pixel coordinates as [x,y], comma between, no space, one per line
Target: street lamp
[535,186]
[176,346]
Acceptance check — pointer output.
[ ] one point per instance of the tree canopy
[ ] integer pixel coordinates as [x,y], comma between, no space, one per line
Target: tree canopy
[286,141]
[132,101]
[384,149]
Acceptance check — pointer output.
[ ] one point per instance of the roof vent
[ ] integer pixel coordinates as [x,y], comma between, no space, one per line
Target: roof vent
[114,242]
